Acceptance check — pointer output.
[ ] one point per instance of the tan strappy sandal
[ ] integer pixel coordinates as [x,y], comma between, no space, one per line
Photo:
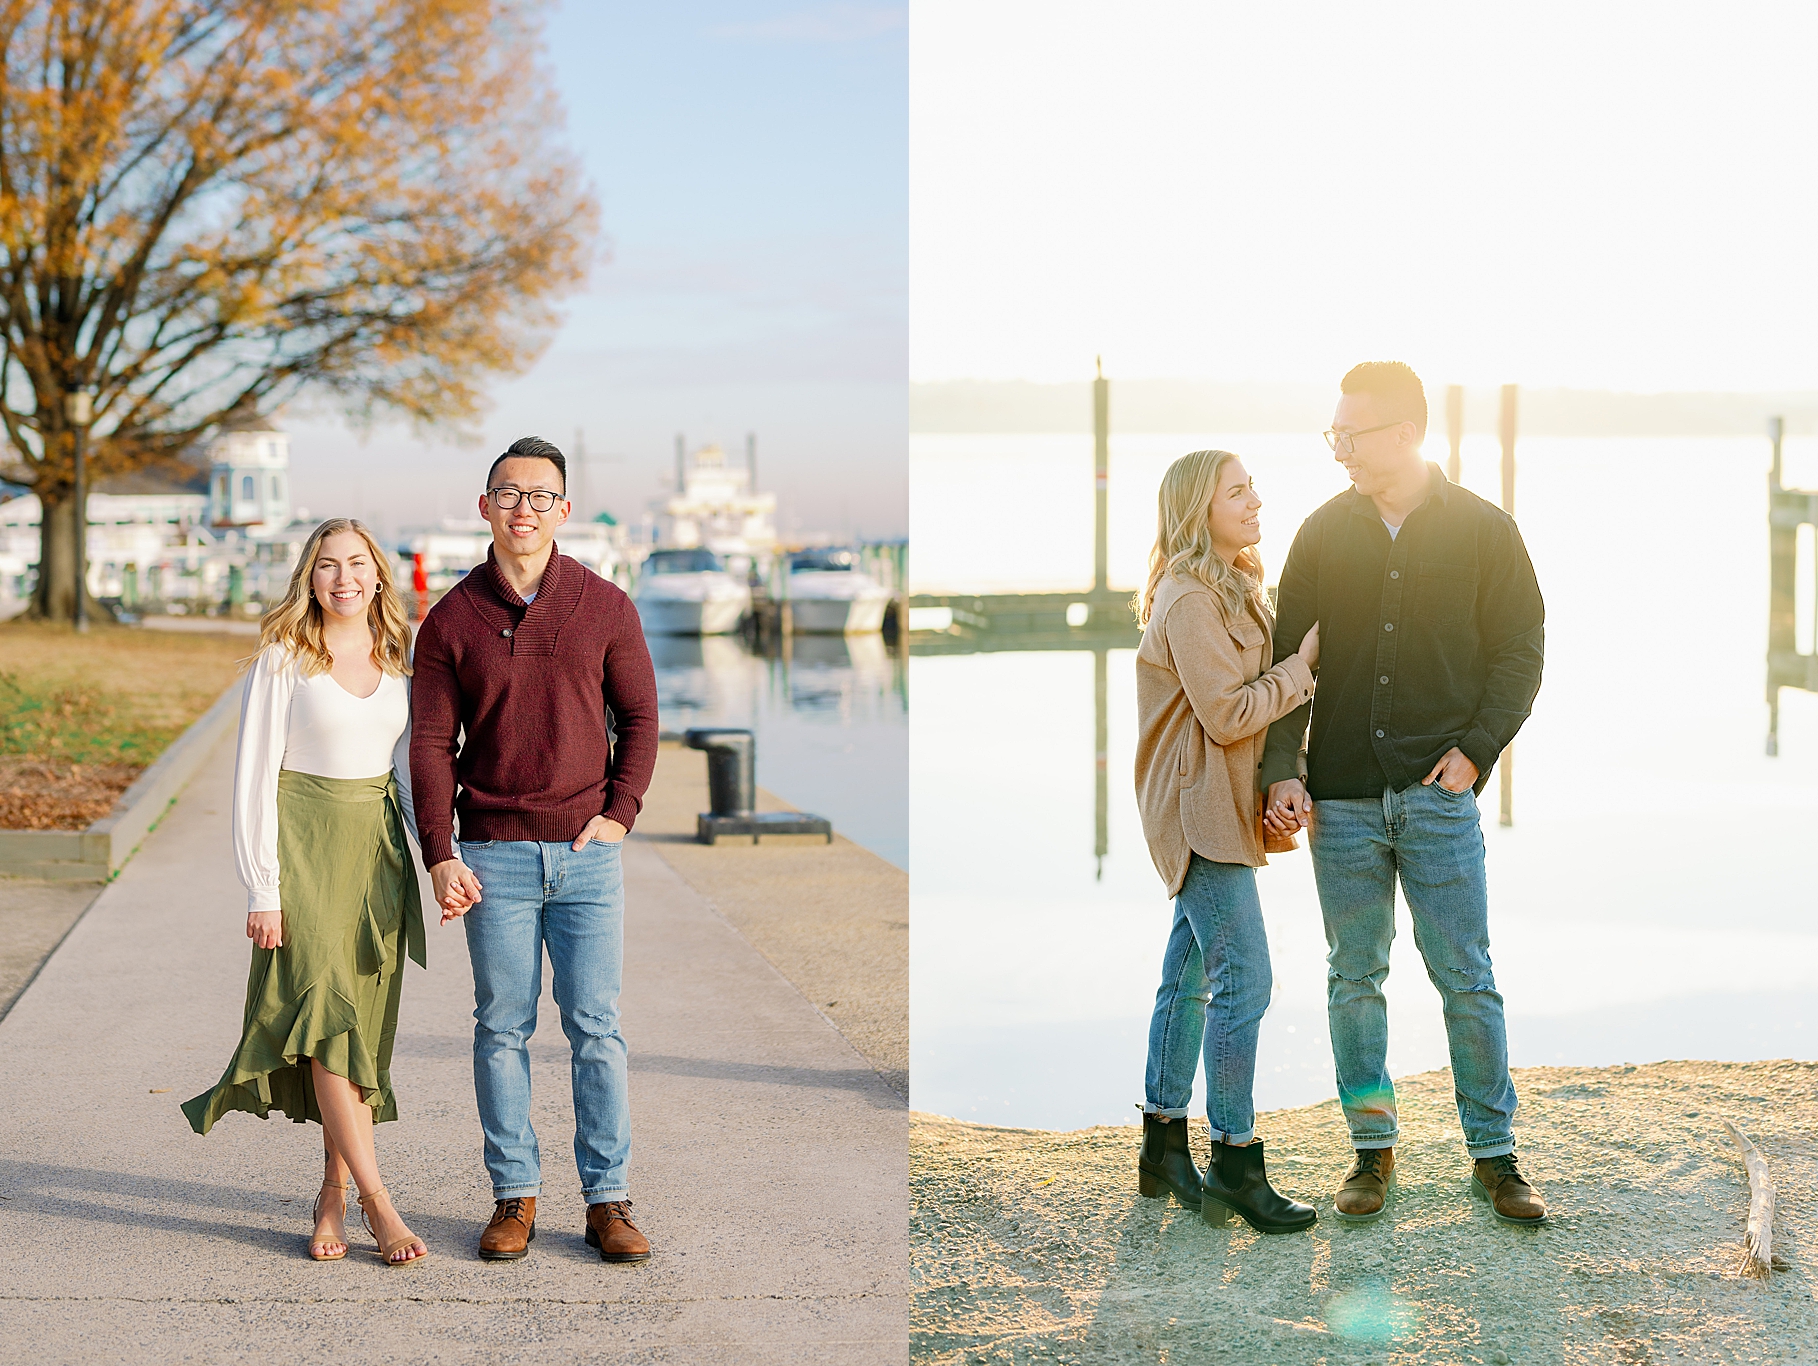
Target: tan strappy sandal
[315,1215]
[385,1250]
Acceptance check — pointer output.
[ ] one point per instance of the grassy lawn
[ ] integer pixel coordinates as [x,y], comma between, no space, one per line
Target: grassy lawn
[82,716]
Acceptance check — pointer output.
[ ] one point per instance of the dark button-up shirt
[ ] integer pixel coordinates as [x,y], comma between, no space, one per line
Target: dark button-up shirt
[1430,639]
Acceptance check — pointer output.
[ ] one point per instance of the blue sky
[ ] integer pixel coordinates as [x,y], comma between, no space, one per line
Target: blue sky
[751,162]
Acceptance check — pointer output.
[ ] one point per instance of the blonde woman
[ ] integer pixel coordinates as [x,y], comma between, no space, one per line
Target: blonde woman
[321,803]
[1204,704]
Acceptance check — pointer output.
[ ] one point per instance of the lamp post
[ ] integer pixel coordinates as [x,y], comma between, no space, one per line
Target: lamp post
[79,409]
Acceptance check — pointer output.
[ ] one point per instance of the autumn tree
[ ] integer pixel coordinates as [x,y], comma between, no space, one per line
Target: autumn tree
[209,207]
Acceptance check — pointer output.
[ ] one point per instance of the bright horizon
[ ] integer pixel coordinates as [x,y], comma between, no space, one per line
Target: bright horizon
[1550,195]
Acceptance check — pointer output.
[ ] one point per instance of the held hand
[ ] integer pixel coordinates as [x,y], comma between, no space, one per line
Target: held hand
[456,888]
[1289,808]
[1454,772]
[1309,647]
[599,828]
[265,929]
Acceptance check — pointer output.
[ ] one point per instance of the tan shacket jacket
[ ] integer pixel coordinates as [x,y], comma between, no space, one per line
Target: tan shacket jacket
[1203,707]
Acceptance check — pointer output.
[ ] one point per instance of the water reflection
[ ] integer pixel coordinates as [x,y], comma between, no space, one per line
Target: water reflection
[830,714]
[1638,910]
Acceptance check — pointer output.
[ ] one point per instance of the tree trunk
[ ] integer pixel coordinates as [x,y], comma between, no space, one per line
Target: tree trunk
[55,597]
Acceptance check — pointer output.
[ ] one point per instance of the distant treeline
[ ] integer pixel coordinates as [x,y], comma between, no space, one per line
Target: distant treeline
[1174,405]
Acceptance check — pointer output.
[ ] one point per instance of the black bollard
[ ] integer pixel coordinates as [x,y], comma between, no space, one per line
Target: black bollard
[731,769]
[732,791]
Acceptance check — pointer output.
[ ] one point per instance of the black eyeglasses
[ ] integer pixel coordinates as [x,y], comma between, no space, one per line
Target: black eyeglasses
[540,499]
[1347,441]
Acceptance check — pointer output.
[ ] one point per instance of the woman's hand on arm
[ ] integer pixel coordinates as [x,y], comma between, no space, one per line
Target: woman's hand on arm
[265,929]
[1309,646]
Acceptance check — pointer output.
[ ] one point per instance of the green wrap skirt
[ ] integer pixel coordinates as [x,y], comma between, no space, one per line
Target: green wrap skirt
[330,992]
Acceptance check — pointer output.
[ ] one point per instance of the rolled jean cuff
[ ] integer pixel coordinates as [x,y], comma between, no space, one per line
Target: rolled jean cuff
[606,1196]
[1151,1108]
[1500,1148]
[517,1192]
[1235,1140]
[1376,1142]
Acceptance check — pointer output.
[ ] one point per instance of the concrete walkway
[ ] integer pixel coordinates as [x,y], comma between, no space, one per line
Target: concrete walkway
[769,1166]
[832,918]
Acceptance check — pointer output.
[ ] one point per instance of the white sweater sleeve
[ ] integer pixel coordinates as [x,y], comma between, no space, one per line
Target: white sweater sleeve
[400,765]
[264,720]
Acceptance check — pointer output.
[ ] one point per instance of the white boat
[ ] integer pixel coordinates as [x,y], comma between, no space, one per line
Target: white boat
[689,593]
[829,595]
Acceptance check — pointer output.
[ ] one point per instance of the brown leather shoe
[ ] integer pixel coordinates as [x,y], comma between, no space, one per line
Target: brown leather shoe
[1511,1198]
[1364,1193]
[514,1224]
[610,1229]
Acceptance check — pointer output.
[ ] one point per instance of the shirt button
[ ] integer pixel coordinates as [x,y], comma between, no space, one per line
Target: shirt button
[1388,626]
[506,633]
[1395,573]
[1383,679]
[1379,735]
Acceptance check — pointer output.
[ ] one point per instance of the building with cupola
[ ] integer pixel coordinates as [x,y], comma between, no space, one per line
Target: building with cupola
[249,477]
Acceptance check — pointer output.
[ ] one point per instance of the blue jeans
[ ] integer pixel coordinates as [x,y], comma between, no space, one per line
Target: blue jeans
[1215,987]
[1431,839]
[534,895]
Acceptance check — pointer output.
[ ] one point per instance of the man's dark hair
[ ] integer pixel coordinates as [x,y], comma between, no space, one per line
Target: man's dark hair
[1395,387]
[535,448]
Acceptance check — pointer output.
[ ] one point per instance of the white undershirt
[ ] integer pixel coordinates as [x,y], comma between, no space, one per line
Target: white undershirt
[1393,530]
[308,725]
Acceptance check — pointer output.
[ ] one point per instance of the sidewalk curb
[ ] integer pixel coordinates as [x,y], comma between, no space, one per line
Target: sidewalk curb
[97,853]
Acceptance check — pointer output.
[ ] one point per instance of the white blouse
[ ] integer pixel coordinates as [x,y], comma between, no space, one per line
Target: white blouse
[308,725]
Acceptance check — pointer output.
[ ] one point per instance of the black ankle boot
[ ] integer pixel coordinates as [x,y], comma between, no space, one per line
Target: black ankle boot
[1237,1184]
[1164,1164]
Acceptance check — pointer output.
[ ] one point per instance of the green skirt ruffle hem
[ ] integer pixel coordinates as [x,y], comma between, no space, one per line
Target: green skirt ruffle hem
[331,991]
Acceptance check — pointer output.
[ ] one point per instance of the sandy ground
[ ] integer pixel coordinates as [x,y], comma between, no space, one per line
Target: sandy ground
[1033,1246]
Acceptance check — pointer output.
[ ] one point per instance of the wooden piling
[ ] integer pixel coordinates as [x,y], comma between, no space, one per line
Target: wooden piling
[1783,552]
[1454,428]
[1506,426]
[1101,775]
[1101,432]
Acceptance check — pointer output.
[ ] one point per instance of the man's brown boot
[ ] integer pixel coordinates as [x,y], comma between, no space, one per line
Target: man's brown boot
[1364,1193]
[1511,1198]
[514,1224]
[610,1229]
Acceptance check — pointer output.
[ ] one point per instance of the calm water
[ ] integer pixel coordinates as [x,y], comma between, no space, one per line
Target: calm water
[831,723]
[1654,898]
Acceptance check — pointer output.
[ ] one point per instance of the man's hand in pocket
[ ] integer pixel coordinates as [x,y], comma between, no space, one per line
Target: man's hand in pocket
[599,828]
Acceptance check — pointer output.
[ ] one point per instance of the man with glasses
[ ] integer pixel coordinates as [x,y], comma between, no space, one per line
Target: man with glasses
[1430,648]
[534,716]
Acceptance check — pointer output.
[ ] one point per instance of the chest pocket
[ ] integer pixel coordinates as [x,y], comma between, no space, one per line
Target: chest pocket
[1247,634]
[1444,594]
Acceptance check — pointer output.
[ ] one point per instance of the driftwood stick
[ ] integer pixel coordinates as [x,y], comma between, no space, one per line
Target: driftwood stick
[1758,1247]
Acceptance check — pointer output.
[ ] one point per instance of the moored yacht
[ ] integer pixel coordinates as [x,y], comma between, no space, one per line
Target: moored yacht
[690,593]
[830,595]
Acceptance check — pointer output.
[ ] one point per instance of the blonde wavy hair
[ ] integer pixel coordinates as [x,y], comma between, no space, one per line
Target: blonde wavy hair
[1183,539]
[295,624]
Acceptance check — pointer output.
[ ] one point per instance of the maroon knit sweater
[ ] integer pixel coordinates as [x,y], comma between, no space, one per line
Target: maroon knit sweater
[531,685]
